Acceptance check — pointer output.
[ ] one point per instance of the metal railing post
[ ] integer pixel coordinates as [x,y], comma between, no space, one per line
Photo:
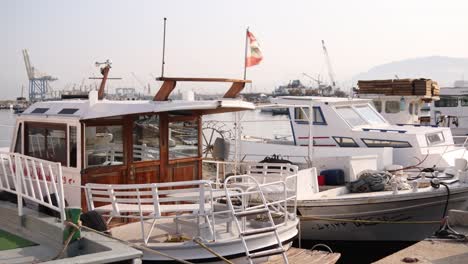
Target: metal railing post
[19,186]
[61,193]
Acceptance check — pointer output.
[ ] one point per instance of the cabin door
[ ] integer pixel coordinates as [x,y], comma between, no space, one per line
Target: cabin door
[180,148]
[144,141]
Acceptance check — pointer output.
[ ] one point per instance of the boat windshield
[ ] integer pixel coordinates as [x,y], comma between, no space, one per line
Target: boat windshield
[359,115]
[370,115]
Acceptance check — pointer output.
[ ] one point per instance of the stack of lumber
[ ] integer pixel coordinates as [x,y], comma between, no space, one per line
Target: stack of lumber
[403,87]
[376,87]
[421,87]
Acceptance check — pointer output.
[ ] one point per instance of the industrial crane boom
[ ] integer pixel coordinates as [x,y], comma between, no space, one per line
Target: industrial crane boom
[27,63]
[331,73]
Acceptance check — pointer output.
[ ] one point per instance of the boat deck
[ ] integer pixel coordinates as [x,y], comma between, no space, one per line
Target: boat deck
[165,231]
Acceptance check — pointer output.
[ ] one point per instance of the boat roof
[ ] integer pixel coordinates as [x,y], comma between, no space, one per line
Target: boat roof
[454,91]
[321,99]
[86,109]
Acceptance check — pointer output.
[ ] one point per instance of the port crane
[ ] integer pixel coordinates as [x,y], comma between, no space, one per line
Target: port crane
[331,73]
[317,80]
[142,83]
[39,85]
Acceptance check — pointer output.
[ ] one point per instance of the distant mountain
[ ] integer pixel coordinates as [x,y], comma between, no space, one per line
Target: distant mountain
[444,70]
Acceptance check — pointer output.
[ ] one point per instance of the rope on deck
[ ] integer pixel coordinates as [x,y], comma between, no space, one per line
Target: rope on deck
[312,218]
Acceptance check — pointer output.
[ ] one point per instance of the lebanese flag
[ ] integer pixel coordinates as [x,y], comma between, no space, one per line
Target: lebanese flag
[255,54]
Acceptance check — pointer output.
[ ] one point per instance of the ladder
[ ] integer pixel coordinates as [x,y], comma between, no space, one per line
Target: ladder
[245,210]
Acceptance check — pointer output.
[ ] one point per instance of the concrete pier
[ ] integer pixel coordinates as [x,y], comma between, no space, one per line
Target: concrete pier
[436,250]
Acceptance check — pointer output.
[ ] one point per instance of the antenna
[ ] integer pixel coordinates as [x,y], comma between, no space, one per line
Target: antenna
[164,49]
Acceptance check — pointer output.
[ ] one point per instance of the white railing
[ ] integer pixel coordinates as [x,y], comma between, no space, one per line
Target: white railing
[276,196]
[270,176]
[33,179]
[193,203]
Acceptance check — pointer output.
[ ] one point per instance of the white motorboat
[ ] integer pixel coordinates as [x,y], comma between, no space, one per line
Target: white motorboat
[452,109]
[112,161]
[345,128]
[349,134]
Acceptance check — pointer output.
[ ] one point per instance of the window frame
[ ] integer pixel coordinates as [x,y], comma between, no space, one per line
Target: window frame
[40,110]
[314,112]
[151,161]
[336,138]
[463,98]
[408,145]
[19,138]
[449,98]
[96,123]
[378,109]
[387,108]
[353,107]
[185,118]
[59,126]
[429,143]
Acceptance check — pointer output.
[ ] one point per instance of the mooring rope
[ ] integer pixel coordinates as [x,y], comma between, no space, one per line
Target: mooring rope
[198,241]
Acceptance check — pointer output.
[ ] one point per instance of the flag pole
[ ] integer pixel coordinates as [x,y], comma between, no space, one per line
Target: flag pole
[164,49]
[245,53]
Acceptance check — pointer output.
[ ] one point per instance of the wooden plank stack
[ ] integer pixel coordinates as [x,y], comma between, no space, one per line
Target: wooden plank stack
[421,87]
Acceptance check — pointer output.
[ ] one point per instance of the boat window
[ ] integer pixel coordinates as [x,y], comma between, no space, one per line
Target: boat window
[104,145]
[18,143]
[346,142]
[369,114]
[183,139]
[380,143]
[435,138]
[146,138]
[392,107]
[46,142]
[377,105]
[39,110]
[73,146]
[348,114]
[464,101]
[447,101]
[301,115]
[68,111]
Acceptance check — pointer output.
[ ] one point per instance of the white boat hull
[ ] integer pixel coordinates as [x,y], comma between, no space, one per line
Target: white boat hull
[232,249]
[429,207]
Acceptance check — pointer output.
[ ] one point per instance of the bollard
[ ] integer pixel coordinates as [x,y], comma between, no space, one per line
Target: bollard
[73,215]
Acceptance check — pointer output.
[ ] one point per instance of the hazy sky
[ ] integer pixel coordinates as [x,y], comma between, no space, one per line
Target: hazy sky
[206,38]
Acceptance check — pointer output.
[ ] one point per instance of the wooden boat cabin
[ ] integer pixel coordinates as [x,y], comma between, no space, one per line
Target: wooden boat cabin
[122,142]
